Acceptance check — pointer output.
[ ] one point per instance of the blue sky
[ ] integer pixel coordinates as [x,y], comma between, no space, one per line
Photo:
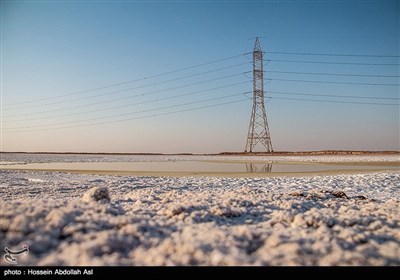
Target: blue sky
[52,51]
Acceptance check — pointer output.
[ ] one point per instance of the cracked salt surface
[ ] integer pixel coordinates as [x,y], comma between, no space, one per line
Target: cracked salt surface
[77,219]
[202,220]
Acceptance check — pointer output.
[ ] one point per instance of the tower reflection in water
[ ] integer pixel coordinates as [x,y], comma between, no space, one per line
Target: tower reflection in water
[259,167]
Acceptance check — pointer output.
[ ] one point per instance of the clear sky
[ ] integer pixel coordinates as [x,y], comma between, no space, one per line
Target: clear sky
[172,76]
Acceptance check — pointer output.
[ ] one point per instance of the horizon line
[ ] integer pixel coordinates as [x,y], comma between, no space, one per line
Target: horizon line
[323,152]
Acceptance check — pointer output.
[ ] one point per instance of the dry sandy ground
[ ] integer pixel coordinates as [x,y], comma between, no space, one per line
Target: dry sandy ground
[76,219]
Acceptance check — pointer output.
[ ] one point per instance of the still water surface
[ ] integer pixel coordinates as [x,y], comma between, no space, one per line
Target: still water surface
[196,166]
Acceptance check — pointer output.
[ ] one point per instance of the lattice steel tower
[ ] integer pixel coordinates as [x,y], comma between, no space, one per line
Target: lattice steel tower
[258,128]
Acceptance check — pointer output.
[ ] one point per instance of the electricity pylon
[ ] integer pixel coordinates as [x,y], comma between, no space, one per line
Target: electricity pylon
[258,128]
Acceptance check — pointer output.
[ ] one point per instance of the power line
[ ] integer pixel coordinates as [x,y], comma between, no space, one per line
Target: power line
[333,82]
[186,94]
[135,118]
[325,37]
[332,74]
[127,82]
[330,62]
[333,101]
[106,118]
[130,113]
[124,90]
[289,72]
[183,77]
[187,68]
[187,110]
[333,54]
[338,96]
[120,106]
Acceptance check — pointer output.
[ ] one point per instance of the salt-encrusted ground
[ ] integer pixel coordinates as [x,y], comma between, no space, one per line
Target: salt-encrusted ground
[327,220]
